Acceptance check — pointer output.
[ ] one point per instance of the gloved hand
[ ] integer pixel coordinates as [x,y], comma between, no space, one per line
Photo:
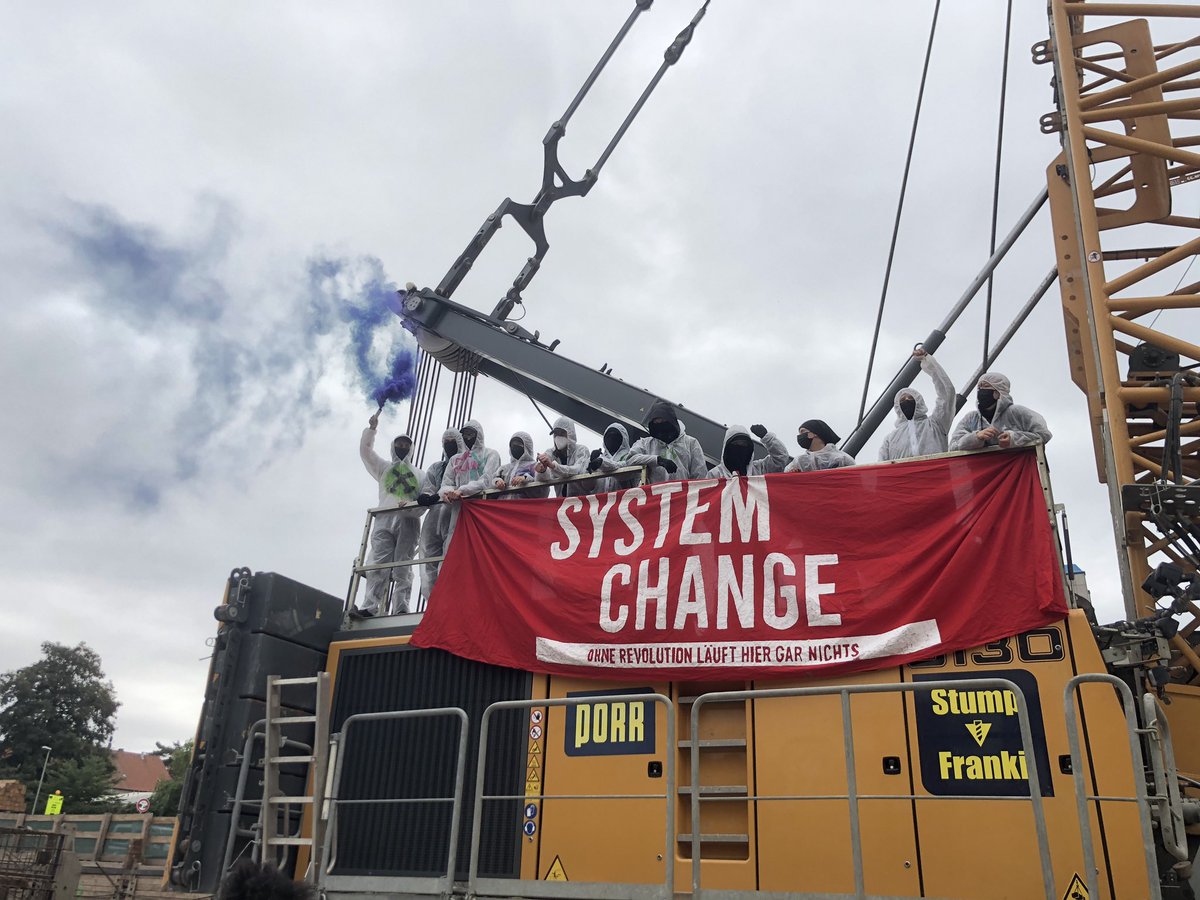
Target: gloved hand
[426,499]
[759,431]
[593,464]
[595,455]
[667,464]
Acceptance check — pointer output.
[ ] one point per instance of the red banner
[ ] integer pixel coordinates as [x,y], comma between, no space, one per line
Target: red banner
[816,572]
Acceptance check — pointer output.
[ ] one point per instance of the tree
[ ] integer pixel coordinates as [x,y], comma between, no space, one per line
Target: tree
[178,758]
[61,701]
[86,784]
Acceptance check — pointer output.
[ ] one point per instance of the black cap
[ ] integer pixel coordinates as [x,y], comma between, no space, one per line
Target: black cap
[821,430]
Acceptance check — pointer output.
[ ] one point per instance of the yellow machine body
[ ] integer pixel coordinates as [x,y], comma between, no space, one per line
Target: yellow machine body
[920,836]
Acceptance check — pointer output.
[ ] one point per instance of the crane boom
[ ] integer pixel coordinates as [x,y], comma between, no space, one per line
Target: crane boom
[1123,140]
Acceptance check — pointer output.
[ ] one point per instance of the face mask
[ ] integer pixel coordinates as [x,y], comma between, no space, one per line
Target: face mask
[665,431]
[517,449]
[908,406]
[737,456]
[401,450]
[986,399]
[450,448]
[560,442]
[612,441]
[468,437]
[804,440]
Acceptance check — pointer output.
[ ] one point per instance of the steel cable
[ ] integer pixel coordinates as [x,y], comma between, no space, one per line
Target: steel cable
[987,309]
[887,274]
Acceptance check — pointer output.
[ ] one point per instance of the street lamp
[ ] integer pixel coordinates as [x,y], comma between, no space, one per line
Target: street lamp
[38,795]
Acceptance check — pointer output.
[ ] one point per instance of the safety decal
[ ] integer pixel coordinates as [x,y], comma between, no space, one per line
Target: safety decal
[531,810]
[1076,890]
[556,872]
[611,728]
[970,740]
[530,828]
[533,764]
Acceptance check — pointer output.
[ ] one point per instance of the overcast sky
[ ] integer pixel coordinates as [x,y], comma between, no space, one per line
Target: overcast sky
[177,397]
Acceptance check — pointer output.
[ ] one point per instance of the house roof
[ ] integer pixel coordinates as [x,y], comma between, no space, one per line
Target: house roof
[137,771]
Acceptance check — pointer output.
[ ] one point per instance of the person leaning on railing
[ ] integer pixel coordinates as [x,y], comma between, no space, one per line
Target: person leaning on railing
[817,449]
[613,455]
[672,453]
[737,453]
[566,459]
[997,421]
[469,473]
[519,470]
[436,526]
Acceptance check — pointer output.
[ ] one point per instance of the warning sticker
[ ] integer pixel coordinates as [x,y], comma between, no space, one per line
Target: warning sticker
[556,871]
[533,762]
[970,740]
[535,717]
[535,732]
[1076,890]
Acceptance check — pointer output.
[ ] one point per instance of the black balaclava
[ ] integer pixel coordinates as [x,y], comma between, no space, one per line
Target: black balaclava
[908,406]
[450,448]
[737,454]
[666,430]
[986,399]
[469,436]
[516,448]
[821,430]
[401,450]
[612,440]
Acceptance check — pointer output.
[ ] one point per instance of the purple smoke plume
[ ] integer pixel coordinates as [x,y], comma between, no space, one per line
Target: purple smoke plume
[364,298]
[400,384]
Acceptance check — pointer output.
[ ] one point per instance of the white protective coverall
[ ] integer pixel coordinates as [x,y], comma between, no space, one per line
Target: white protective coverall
[924,433]
[776,460]
[471,472]
[609,462]
[570,461]
[684,450]
[1026,426]
[394,536]
[521,466]
[828,457]
[437,518]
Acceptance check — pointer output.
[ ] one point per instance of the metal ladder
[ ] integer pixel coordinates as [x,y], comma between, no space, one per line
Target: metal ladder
[276,805]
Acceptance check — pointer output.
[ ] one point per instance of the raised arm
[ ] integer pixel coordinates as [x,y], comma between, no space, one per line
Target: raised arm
[943,409]
[375,464]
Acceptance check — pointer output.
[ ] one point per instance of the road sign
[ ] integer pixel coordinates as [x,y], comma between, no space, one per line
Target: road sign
[142,806]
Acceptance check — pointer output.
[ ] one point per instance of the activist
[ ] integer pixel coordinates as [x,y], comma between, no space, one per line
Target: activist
[612,456]
[469,473]
[737,453]
[817,450]
[519,470]
[434,529]
[566,459]
[997,421]
[917,433]
[394,534]
[672,453]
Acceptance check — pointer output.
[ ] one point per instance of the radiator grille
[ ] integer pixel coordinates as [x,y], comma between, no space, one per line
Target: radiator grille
[415,758]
